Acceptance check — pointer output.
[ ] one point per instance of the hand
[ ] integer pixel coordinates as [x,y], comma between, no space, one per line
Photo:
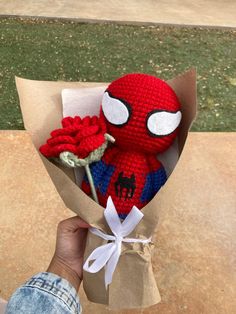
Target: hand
[67,261]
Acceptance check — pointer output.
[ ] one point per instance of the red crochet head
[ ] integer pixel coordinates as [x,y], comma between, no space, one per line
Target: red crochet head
[142,113]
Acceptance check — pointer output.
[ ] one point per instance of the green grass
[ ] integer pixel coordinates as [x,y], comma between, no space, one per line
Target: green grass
[72,51]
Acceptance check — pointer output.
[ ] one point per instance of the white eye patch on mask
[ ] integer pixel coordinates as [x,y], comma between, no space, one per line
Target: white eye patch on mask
[161,123]
[116,111]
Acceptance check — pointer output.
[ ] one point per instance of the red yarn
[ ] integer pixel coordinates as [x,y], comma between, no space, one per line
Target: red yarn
[143,93]
[78,136]
[129,171]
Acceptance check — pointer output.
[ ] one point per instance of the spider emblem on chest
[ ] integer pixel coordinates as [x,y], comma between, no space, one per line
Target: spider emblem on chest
[125,186]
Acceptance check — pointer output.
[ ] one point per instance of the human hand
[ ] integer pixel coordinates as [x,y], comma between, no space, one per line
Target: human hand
[67,261]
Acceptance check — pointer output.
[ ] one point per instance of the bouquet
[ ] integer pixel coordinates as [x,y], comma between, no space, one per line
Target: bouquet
[124,278]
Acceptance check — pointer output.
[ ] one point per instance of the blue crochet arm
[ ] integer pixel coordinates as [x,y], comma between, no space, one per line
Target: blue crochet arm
[101,172]
[154,181]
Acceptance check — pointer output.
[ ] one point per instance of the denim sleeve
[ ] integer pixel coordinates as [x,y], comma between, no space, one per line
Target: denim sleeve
[45,293]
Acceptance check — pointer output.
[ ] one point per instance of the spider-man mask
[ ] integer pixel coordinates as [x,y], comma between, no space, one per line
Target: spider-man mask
[142,113]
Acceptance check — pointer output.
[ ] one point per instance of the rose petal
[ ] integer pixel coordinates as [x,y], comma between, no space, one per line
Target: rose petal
[46,150]
[56,150]
[89,144]
[67,121]
[86,121]
[94,120]
[62,139]
[77,120]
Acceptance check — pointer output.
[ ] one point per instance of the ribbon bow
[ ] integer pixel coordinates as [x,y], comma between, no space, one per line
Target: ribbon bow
[107,255]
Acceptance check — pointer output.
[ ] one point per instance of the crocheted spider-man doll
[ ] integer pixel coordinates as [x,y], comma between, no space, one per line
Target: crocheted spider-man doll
[142,113]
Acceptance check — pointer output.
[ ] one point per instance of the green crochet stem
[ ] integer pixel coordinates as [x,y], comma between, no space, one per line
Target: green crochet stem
[71,160]
[90,179]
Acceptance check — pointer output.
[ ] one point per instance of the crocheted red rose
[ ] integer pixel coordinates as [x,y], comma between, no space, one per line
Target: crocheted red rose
[78,136]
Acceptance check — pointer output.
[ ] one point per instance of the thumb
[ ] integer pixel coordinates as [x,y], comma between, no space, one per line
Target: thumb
[72,224]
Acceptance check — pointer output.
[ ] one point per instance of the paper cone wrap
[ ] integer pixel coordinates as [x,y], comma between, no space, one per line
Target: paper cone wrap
[133,284]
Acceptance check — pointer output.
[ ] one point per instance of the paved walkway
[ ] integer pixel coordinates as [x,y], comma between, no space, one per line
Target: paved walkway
[188,12]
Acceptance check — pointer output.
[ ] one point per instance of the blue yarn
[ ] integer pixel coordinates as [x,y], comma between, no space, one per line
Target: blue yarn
[154,182]
[97,169]
[101,174]
[106,179]
[122,216]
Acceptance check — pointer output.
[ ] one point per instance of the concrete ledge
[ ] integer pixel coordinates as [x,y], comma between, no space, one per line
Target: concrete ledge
[195,249]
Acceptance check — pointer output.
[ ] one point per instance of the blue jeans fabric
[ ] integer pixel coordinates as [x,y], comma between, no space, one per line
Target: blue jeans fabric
[45,293]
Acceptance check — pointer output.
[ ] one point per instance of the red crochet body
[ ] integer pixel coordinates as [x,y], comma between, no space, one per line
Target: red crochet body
[129,172]
[126,193]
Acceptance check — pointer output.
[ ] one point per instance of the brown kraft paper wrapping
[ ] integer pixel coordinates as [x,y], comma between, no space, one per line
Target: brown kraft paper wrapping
[133,284]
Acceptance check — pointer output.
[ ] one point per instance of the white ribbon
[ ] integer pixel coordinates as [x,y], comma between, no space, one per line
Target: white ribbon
[107,255]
